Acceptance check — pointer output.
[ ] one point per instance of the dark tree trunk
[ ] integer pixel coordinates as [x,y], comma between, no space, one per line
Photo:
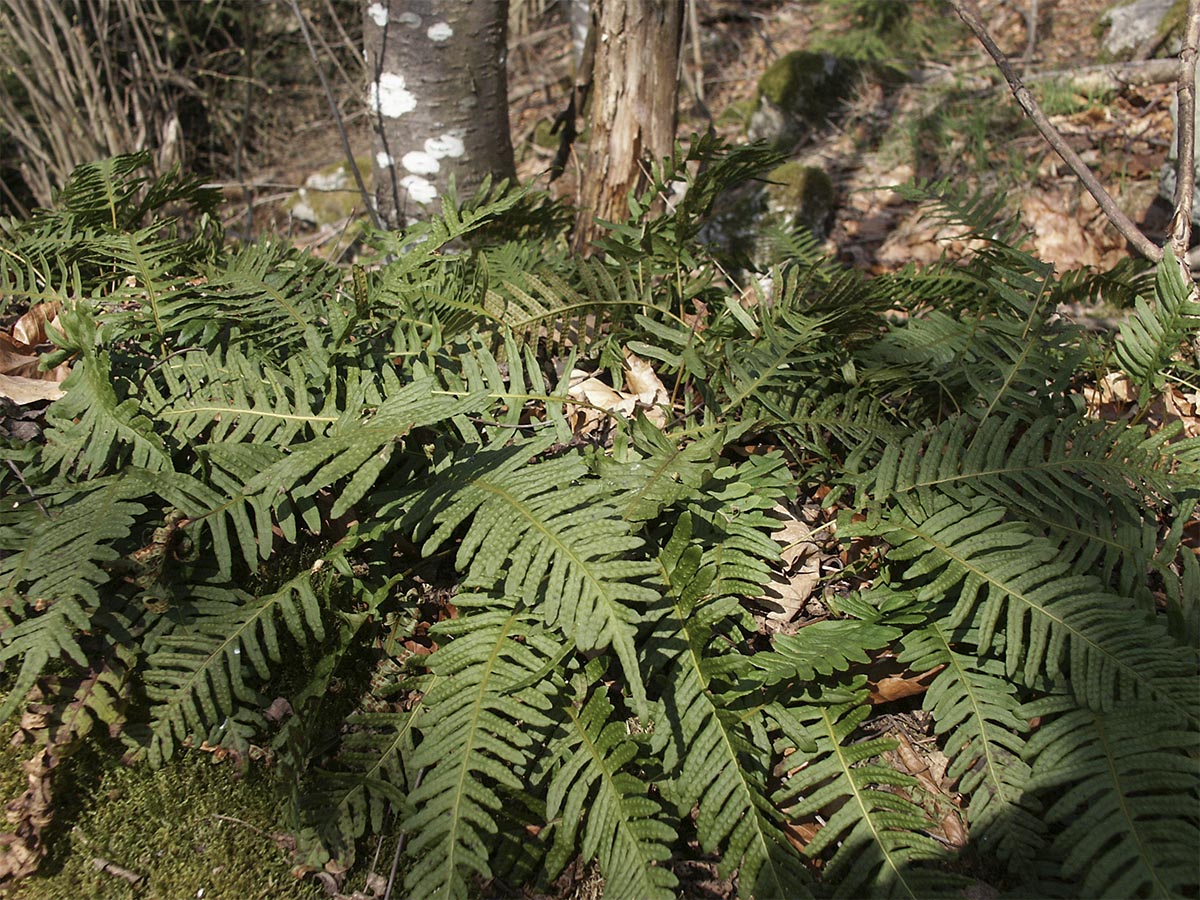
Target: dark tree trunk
[439,100]
[633,104]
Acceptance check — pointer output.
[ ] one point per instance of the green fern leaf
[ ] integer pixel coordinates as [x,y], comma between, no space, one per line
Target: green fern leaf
[1024,599]
[1122,790]
[553,538]
[197,670]
[621,825]
[1153,335]
[975,706]
[478,729]
[721,746]
[877,837]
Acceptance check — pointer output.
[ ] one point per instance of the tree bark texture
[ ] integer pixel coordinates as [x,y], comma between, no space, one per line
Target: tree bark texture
[633,105]
[438,98]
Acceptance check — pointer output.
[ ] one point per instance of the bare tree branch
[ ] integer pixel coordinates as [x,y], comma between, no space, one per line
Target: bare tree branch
[969,14]
[1181,222]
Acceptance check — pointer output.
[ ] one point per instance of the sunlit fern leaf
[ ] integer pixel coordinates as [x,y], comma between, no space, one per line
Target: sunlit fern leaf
[61,542]
[823,648]
[789,351]
[1154,334]
[197,670]
[264,486]
[479,725]
[1027,603]
[93,429]
[548,534]
[1121,790]
[1068,474]
[521,399]
[975,706]
[264,295]
[224,397]
[732,515]
[720,744]
[660,470]
[875,842]
[597,804]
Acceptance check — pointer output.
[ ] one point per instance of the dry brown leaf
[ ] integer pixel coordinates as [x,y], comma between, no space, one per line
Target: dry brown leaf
[645,392]
[21,848]
[792,587]
[641,380]
[30,329]
[939,802]
[897,687]
[23,391]
[14,361]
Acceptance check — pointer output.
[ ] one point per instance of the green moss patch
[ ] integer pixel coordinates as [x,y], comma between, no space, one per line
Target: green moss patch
[190,829]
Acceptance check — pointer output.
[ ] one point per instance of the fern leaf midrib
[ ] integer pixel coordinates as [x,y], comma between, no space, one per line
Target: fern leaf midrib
[1123,800]
[865,815]
[992,766]
[600,761]
[744,788]
[245,411]
[1058,620]
[619,631]
[469,744]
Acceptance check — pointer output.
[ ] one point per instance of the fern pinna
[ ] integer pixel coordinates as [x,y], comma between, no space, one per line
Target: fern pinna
[524,648]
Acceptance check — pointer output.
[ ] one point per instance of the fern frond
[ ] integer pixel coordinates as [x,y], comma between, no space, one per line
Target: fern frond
[876,835]
[1153,335]
[622,827]
[1026,602]
[975,706]
[478,728]
[60,543]
[198,668]
[266,295]
[720,749]
[37,640]
[1122,791]
[94,429]
[553,537]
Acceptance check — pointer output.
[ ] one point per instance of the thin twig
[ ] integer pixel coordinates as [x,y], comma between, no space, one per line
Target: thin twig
[967,12]
[111,868]
[337,118]
[387,894]
[1185,180]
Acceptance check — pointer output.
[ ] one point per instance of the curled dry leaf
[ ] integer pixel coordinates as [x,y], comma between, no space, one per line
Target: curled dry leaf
[644,390]
[793,585]
[30,329]
[23,391]
[21,848]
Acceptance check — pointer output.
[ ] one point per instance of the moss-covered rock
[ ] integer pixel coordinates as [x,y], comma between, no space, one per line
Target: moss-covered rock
[330,194]
[797,95]
[801,196]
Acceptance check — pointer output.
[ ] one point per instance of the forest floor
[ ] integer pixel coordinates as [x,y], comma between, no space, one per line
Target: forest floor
[953,118]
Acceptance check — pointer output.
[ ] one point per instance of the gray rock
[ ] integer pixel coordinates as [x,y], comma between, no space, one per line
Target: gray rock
[1167,175]
[1133,24]
[796,96]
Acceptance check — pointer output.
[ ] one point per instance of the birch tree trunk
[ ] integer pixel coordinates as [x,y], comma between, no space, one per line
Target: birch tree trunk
[633,105]
[439,100]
